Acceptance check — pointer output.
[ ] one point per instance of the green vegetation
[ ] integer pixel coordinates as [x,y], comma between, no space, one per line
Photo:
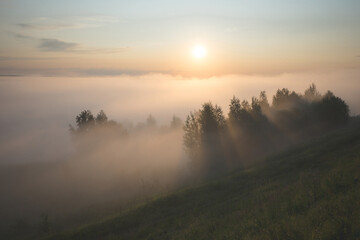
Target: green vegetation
[311,191]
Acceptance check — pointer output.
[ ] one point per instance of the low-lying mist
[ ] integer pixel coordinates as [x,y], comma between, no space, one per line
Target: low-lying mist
[47,169]
[101,169]
[36,111]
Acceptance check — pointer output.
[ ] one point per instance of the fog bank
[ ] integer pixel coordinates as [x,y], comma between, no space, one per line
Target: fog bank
[36,111]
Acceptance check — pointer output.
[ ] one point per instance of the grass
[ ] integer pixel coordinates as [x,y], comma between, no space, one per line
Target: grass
[311,191]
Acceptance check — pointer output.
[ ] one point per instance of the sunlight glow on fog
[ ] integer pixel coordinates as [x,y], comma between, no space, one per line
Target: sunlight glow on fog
[36,111]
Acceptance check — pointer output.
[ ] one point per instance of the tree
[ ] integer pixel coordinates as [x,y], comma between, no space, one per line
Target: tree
[255,129]
[263,101]
[211,118]
[249,126]
[284,99]
[239,114]
[255,105]
[333,110]
[150,121]
[280,97]
[235,109]
[203,133]
[192,137]
[176,122]
[101,118]
[85,120]
[95,130]
[312,94]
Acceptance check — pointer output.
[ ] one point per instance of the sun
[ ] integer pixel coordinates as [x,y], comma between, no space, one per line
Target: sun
[199,51]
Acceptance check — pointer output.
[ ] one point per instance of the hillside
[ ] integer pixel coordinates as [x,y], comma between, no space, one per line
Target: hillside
[311,191]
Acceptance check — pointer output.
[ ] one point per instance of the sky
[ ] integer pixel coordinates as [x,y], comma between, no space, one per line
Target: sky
[108,37]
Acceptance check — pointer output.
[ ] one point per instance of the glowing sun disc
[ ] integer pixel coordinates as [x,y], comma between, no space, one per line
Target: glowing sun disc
[199,51]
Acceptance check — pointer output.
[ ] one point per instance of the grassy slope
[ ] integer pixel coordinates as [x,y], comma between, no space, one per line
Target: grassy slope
[309,192]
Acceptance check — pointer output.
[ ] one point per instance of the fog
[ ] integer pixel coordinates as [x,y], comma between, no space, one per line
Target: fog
[101,169]
[36,111]
[43,169]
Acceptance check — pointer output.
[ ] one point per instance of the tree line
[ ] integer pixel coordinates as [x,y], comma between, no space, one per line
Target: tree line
[88,124]
[215,143]
[251,130]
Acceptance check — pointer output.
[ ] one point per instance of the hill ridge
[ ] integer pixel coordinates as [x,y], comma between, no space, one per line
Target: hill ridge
[310,191]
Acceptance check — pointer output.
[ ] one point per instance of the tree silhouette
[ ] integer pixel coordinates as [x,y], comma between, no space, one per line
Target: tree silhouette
[85,120]
[211,119]
[258,128]
[333,110]
[235,110]
[203,135]
[263,101]
[96,130]
[312,94]
[176,122]
[192,137]
[101,117]
[284,99]
[151,122]
[249,126]
[239,115]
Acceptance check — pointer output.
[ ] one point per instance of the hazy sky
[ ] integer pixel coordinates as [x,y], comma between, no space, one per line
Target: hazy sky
[108,37]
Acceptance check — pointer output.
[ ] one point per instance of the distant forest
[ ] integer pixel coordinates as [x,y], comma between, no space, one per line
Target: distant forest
[252,130]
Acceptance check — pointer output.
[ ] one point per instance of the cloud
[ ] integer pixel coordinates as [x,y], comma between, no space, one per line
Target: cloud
[47,26]
[46,44]
[100,50]
[10,58]
[110,72]
[10,75]
[55,45]
[19,35]
[51,24]
[72,72]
